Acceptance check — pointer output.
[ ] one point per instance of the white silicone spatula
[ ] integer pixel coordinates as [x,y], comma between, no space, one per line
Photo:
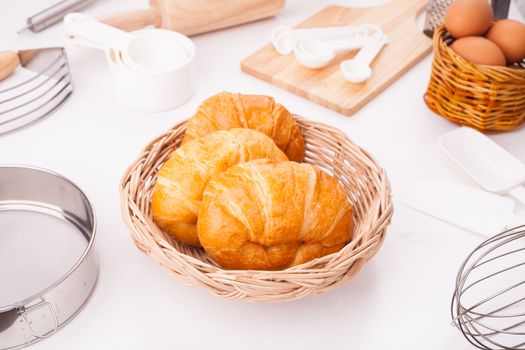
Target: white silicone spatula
[485,161]
[476,210]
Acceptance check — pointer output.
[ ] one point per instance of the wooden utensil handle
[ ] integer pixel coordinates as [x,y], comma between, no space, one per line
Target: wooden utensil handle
[200,16]
[134,20]
[196,16]
[8,63]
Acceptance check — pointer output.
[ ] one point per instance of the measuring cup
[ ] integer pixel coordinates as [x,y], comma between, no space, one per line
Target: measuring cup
[151,70]
[357,69]
[489,164]
[284,39]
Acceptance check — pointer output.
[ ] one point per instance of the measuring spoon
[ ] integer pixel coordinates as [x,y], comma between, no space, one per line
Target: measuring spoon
[317,53]
[489,164]
[284,39]
[357,69]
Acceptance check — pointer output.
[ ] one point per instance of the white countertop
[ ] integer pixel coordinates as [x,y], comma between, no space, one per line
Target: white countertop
[400,299]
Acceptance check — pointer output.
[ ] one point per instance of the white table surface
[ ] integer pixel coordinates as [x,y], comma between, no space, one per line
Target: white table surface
[400,299]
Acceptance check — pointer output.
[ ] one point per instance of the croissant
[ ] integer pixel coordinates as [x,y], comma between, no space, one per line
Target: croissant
[181,180]
[226,110]
[263,215]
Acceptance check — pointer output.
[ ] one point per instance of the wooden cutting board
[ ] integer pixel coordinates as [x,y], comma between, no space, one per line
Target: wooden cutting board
[326,86]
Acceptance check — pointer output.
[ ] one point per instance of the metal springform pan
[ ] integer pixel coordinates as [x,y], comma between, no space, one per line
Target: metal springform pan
[48,268]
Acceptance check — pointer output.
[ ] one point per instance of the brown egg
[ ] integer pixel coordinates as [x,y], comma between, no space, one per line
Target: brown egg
[479,50]
[468,18]
[509,35]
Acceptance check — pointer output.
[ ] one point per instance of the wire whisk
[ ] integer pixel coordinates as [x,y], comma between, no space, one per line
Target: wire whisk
[488,305]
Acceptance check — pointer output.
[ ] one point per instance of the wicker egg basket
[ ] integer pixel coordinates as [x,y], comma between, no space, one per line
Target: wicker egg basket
[486,98]
[363,179]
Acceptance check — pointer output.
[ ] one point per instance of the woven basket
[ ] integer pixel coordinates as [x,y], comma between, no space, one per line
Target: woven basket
[368,191]
[486,98]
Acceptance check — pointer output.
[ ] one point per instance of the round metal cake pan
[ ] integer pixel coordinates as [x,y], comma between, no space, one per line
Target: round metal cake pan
[48,267]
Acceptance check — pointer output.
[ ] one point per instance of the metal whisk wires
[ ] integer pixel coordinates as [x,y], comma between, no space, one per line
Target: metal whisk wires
[488,305]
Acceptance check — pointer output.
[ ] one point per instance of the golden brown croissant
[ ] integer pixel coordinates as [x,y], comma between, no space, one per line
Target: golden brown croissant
[266,216]
[226,110]
[181,180]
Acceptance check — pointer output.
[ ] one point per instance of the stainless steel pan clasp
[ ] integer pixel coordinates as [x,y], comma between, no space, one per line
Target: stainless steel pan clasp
[36,318]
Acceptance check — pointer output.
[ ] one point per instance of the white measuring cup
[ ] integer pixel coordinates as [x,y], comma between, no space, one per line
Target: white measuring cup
[489,164]
[284,39]
[144,50]
[357,69]
[151,70]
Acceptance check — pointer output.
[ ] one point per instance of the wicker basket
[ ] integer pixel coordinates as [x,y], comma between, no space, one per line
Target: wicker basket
[486,98]
[365,182]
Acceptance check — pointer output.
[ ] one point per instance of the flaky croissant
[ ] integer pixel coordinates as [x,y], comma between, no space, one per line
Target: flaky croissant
[227,110]
[266,216]
[181,180]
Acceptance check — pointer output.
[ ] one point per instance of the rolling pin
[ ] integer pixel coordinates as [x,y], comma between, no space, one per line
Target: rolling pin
[192,17]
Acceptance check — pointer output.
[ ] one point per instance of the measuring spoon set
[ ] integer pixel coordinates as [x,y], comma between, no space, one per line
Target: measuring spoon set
[315,48]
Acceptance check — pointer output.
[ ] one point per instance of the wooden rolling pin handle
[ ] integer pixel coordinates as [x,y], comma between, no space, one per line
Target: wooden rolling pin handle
[134,20]
[192,17]
[8,63]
